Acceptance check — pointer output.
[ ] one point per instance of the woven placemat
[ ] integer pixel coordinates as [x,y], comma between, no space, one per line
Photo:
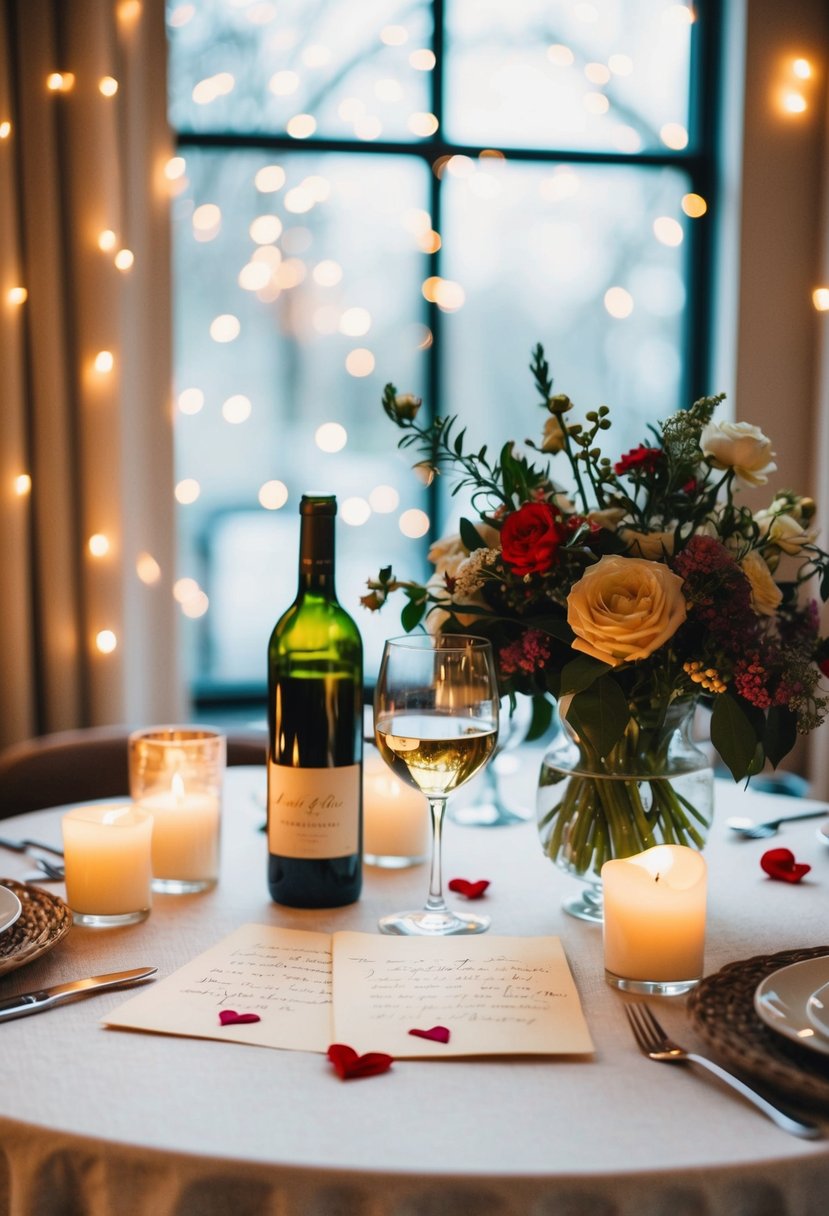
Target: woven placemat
[45,919]
[722,1011]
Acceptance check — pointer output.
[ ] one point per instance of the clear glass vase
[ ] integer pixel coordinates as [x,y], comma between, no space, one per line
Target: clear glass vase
[654,787]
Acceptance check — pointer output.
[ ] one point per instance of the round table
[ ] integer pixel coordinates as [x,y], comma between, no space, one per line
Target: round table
[104,1121]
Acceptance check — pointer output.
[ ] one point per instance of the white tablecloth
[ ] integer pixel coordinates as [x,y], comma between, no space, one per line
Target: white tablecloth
[113,1123]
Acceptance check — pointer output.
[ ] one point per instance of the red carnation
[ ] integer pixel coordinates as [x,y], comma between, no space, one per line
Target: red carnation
[530,538]
[644,459]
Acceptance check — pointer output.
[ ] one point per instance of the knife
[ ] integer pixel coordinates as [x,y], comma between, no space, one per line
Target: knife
[45,998]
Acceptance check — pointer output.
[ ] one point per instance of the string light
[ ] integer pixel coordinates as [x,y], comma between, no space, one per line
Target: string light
[187,491]
[355,322]
[5,129]
[98,544]
[618,302]
[190,400]
[124,259]
[820,299]
[60,82]
[273,495]
[559,55]
[108,86]
[184,589]
[423,124]
[331,437]
[802,69]
[22,485]
[17,295]
[414,523]
[107,240]
[793,102]
[384,499]
[129,11]
[620,65]
[106,641]
[301,126]
[196,606]
[104,362]
[237,409]
[225,328]
[667,230]
[269,179]
[674,135]
[359,362]
[175,168]
[147,569]
[694,205]
[422,60]
[355,511]
[327,273]
[394,35]
[181,15]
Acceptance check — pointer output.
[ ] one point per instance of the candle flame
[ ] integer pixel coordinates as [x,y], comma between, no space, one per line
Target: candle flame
[177,786]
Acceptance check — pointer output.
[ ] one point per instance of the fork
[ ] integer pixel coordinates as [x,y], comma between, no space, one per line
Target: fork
[25,846]
[656,1045]
[760,831]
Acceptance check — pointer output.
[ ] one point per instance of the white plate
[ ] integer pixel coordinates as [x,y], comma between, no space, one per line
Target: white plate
[782,998]
[817,1010]
[10,908]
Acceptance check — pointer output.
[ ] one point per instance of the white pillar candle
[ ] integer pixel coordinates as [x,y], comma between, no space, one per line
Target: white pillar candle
[654,914]
[107,854]
[185,833]
[395,816]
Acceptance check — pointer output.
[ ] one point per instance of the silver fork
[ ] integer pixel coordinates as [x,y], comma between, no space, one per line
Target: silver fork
[656,1045]
[760,831]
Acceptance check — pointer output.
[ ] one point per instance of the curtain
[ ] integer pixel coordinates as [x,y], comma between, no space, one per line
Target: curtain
[87,623]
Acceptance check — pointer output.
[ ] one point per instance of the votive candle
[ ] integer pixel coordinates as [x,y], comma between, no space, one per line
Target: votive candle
[395,818]
[106,851]
[654,920]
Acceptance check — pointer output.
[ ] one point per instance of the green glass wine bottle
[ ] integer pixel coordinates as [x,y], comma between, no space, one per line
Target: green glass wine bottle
[315,722]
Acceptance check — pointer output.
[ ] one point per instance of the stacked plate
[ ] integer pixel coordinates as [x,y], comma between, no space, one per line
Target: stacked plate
[32,921]
[794,1001]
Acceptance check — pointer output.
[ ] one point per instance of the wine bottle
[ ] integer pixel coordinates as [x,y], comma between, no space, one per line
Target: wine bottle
[315,725]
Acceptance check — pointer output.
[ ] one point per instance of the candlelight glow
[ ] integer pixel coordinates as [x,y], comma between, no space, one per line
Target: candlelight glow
[106,641]
[98,544]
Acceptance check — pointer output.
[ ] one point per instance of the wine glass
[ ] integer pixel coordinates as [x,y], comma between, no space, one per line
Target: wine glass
[436,724]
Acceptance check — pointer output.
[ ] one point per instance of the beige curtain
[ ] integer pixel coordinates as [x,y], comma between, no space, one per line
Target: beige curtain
[84,368]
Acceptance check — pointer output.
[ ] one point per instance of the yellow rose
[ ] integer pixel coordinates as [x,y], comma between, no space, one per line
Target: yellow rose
[625,608]
[783,531]
[652,545]
[765,594]
[741,447]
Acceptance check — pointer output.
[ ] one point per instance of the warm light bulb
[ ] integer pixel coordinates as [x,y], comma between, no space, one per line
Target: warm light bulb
[793,102]
[694,205]
[330,437]
[124,259]
[106,641]
[108,86]
[104,362]
[802,69]
[147,569]
[175,167]
[22,485]
[301,126]
[187,491]
[820,299]
[273,495]
[129,11]
[107,240]
[618,302]
[414,523]
[190,400]
[98,544]
[225,328]
[60,82]
[17,295]
[5,129]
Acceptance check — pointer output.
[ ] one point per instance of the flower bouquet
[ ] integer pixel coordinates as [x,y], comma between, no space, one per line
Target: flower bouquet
[628,591]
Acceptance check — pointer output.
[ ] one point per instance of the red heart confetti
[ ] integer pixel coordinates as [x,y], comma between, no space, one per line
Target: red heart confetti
[229,1017]
[780,864]
[348,1064]
[438,1034]
[472,890]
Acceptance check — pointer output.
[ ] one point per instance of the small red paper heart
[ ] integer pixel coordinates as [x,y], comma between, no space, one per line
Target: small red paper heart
[438,1034]
[780,864]
[472,890]
[229,1017]
[348,1064]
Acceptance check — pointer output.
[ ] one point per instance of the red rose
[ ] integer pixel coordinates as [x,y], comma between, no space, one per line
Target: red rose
[530,538]
[824,666]
[645,459]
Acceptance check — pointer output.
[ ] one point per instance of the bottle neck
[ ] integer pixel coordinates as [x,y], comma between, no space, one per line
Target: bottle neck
[316,556]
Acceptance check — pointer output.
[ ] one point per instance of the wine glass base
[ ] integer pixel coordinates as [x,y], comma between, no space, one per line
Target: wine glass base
[586,904]
[423,923]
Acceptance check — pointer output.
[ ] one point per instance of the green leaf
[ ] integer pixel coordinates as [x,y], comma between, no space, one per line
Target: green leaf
[581,672]
[781,733]
[412,614]
[541,717]
[600,714]
[735,735]
[470,536]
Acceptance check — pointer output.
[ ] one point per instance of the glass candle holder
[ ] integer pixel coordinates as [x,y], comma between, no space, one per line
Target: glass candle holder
[654,920]
[106,851]
[176,774]
[395,818]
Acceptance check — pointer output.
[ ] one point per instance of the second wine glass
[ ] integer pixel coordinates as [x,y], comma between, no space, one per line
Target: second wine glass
[436,725]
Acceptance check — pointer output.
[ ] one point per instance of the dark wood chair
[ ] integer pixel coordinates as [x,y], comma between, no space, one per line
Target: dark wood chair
[81,765]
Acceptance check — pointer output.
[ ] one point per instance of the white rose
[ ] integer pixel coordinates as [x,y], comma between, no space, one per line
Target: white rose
[741,447]
[765,594]
[783,531]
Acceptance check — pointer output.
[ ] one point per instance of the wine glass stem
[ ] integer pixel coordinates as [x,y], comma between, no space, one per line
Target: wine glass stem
[435,902]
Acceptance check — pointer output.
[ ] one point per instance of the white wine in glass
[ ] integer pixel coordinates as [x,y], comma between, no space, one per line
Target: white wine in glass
[436,725]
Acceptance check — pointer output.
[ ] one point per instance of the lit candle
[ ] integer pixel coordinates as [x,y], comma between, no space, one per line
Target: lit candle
[107,855]
[654,919]
[395,818]
[185,844]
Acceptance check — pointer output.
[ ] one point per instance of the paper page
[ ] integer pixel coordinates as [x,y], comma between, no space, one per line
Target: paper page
[283,975]
[496,995]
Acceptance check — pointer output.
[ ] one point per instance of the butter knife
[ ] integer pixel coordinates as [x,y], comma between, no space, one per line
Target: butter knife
[24,1003]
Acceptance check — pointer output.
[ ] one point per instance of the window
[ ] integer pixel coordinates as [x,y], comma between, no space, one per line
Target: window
[418,192]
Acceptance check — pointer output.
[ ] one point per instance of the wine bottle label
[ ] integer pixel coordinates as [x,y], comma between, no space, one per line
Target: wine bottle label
[313,812]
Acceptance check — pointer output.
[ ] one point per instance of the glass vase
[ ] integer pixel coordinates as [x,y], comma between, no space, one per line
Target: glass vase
[655,786]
